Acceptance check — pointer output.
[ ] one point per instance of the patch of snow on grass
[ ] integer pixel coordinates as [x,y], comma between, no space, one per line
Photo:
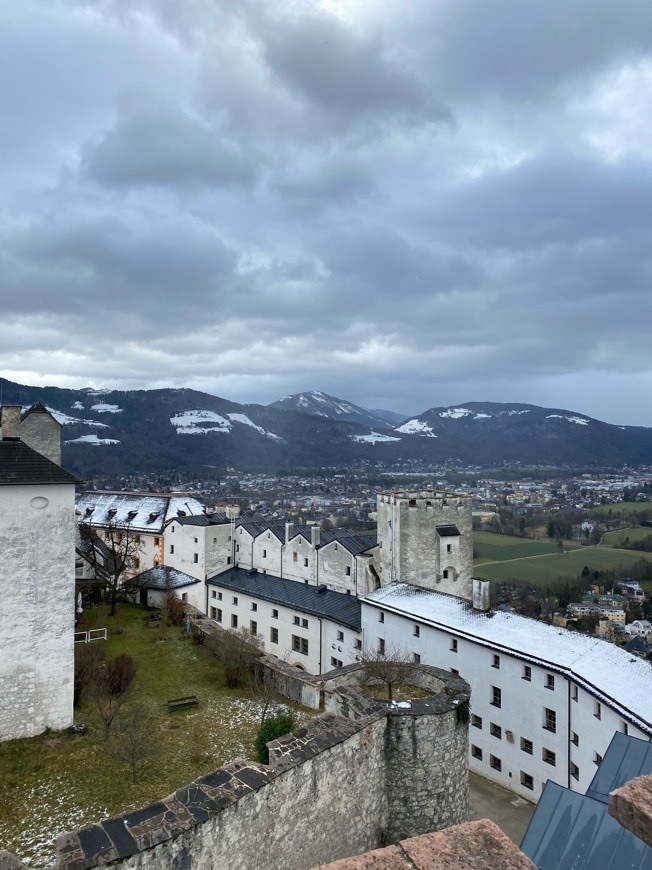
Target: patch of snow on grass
[579,420]
[77,406]
[92,439]
[102,408]
[482,416]
[455,413]
[198,422]
[242,418]
[514,413]
[67,420]
[373,437]
[416,427]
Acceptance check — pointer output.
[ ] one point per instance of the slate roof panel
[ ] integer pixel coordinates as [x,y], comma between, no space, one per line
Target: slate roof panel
[335,606]
[20,465]
[163,577]
[626,758]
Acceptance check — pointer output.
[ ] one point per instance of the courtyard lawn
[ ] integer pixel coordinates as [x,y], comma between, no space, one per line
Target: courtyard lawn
[545,569]
[60,781]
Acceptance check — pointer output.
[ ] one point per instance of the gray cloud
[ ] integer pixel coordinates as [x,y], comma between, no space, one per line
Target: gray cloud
[404,205]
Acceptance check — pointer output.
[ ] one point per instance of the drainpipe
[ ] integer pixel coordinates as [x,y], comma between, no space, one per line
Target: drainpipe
[568,743]
[320,645]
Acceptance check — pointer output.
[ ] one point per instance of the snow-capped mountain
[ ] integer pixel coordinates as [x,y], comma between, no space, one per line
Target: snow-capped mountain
[323,405]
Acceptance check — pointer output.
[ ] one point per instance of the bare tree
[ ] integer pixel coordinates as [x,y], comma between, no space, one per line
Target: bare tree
[237,652]
[392,665]
[107,703]
[113,556]
[132,739]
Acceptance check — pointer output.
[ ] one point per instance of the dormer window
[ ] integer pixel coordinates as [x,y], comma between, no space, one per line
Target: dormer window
[131,515]
[89,511]
[112,512]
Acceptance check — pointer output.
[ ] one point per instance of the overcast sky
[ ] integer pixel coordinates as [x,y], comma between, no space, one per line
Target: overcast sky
[404,204]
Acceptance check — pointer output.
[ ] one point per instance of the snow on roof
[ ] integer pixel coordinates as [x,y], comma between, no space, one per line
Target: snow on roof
[608,671]
[152,511]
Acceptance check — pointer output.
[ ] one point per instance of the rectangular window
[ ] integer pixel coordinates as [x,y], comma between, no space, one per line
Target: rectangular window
[549,720]
[235,599]
[253,627]
[335,663]
[237,548]
[527,781]
[549,757]
[234,621]
[340,636]
[195,540]
[300,644]
[454,671]
[550,682]
[295,556]
[417,631]
[156,542]
[381,617]
[416,658]
[296,620]
[254,606]
[171,548]
[305,562]
[348,571]
[597,758]
[195,558]
[357,643]
[574,771]
[274,613]
[264,554]
[476,721]
[575,740]
[495,730]
[213,593]
[219,596]
[184,597]
[449,548]
[526,746]
[495,763]
[624,727]
[219,615]
[304,623]
[597,710]
[213,612]
[454,644]
[496,697]
[273,635]
[476,752]
[527,672]
[381,646]
[574,693]
[495,661]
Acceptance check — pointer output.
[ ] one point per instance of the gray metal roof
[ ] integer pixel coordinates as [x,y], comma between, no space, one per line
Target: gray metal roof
[448,531]
[571,831]
[163,577]
[314,600]
[202,520]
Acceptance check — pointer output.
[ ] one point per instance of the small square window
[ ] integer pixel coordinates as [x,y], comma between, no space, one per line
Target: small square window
[454,644]
[416,658]
[476,752]
[296,620]
[575,740]
[213,593]
[219,596]
[274,613]
[496,697]
[254,606]
[454,671]
[495,763]
[305,562]
[340,636]
[550,682]
[495,730]
[381,617]
[527,672]
[527,746]
[417,631]
[476,721]
[348,570]
[574,771]
[235,599]
[335,663]
[273,635]
[549,757]
[449,548]
[527,781]
[597,710]
[304,623]
[495,661]
[597,758]
[300,644]
[195,540]
[357,643]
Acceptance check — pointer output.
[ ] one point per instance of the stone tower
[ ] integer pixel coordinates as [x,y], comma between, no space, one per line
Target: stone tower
[426,539]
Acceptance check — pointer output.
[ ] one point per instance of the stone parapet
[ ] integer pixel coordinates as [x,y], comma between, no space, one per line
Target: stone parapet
[631,806]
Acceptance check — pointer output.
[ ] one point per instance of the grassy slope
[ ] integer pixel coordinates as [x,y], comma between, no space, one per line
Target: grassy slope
[61,781]
[521,561]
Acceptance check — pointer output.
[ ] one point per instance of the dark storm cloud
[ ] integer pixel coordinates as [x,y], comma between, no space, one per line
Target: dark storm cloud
[404,204]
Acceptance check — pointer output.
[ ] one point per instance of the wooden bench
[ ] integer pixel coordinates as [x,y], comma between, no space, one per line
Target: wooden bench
[182,703]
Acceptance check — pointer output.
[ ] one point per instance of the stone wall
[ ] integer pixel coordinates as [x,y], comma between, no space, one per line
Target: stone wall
[334,788]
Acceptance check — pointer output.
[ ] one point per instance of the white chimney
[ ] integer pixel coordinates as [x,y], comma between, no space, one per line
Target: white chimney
[315,535]
[10,422]
[289,532]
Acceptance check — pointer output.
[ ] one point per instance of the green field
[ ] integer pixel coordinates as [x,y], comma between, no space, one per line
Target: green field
[634,533]
[505,558]
[61,781]
[623,508]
